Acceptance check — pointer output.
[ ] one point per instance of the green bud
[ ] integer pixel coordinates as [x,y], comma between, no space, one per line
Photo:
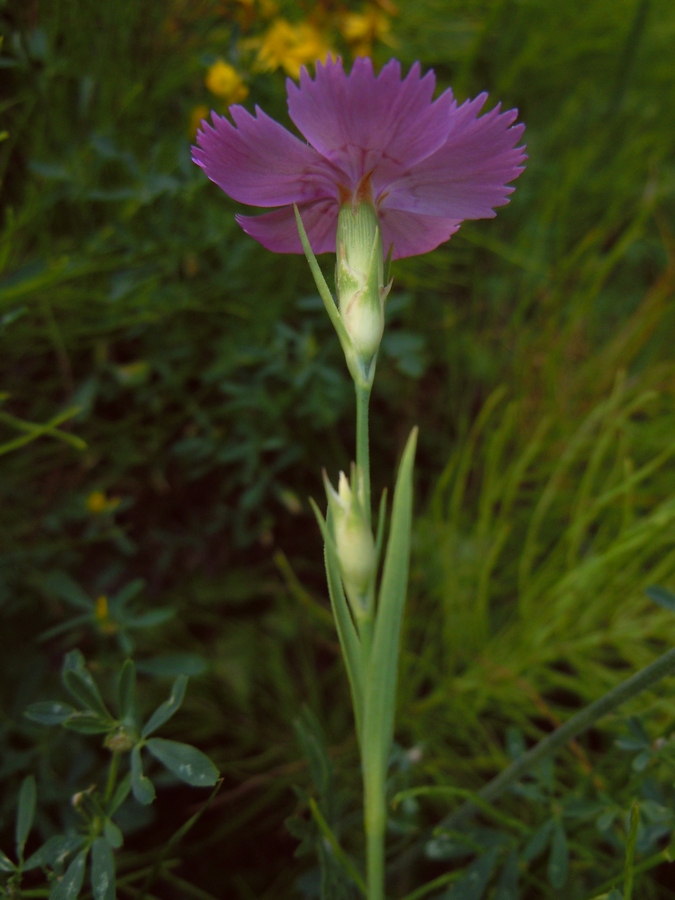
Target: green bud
[359,277]
[353,539]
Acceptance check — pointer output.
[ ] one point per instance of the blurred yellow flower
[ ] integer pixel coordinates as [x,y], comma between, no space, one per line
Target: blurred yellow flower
[102,615]
[363,29]
[290,47]
[224,81]
[198,113]
[98,503]
[101,608]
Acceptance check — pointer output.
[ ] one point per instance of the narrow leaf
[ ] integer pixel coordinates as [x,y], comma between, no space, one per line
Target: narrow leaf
[81,685]
[164,712]
[126,691]
[348,637]
[507,887]
[558,861]
[102,870]
[380,679]
[49,712]
[120,795]
[54,850]
[25,813]
[62,627]
[473,884]
[127,593]
[320,281]
[186,762]
[87,722]
[539,841]
[69,886]
[149,619]
[143,789]
[6,864]
[63,587]
[112,834]
[172,664]
[662,596]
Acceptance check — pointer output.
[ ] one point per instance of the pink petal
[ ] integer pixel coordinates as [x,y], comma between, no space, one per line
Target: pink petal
[412,234]
[278,230]
[467,177]
[259,162]
[363,123]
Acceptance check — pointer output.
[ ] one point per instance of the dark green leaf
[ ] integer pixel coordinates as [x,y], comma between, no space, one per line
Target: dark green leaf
[143,789]
[615,894]
[641,761]
[102,870]
[6,864]
[62,627]
[54,850]
[507,887]
[127,593]
[172,664]
[150,619]
[87,722]
[606,820]
[120,795]
[164,712]
[558,861]
[25,813]
[69,886]
[113,835]
[81,685]
[126,691]
[662,596]
[539,841]
[473,884]
[186,762]
[63,587]
[49,712]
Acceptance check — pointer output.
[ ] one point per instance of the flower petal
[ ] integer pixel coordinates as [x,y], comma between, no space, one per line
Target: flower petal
[412,234]
[467,177]
[278,230]
[259,162]
[363,123]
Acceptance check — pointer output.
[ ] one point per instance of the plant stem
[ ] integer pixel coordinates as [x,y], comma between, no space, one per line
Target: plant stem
[374,799]
[375,815]
[362,446]
[112,778]
[664,665]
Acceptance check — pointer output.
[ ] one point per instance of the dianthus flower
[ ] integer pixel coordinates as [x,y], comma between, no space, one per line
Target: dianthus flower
[425,165]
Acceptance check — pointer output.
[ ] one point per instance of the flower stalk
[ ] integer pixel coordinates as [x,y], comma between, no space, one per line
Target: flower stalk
[384,165]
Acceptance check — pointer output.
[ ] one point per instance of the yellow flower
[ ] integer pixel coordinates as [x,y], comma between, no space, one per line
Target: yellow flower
[224,81]
[198,113]
[98,503]
[291,47]
[102,614]
[363,29]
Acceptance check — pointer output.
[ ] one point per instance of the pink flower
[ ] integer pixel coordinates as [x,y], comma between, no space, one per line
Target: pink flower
[426,165]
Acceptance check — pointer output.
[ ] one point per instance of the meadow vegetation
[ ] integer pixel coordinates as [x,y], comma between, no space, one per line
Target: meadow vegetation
[171,390]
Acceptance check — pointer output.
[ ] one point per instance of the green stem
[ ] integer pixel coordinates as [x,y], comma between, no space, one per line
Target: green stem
[112,778]
[375,816]
[362,446]
[634,685]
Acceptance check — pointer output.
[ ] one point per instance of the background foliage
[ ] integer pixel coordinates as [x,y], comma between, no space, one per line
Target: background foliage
[171,391]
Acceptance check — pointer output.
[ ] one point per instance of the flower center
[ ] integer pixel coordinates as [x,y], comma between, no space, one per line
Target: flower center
[362,194]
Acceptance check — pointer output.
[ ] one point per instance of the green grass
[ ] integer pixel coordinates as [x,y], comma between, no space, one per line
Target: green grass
[533,351]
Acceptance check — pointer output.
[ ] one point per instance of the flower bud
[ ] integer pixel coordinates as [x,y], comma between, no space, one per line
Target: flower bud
[353,538]
[359,277]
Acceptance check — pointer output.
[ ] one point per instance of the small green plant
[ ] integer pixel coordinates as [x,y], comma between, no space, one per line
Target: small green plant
[98,835]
